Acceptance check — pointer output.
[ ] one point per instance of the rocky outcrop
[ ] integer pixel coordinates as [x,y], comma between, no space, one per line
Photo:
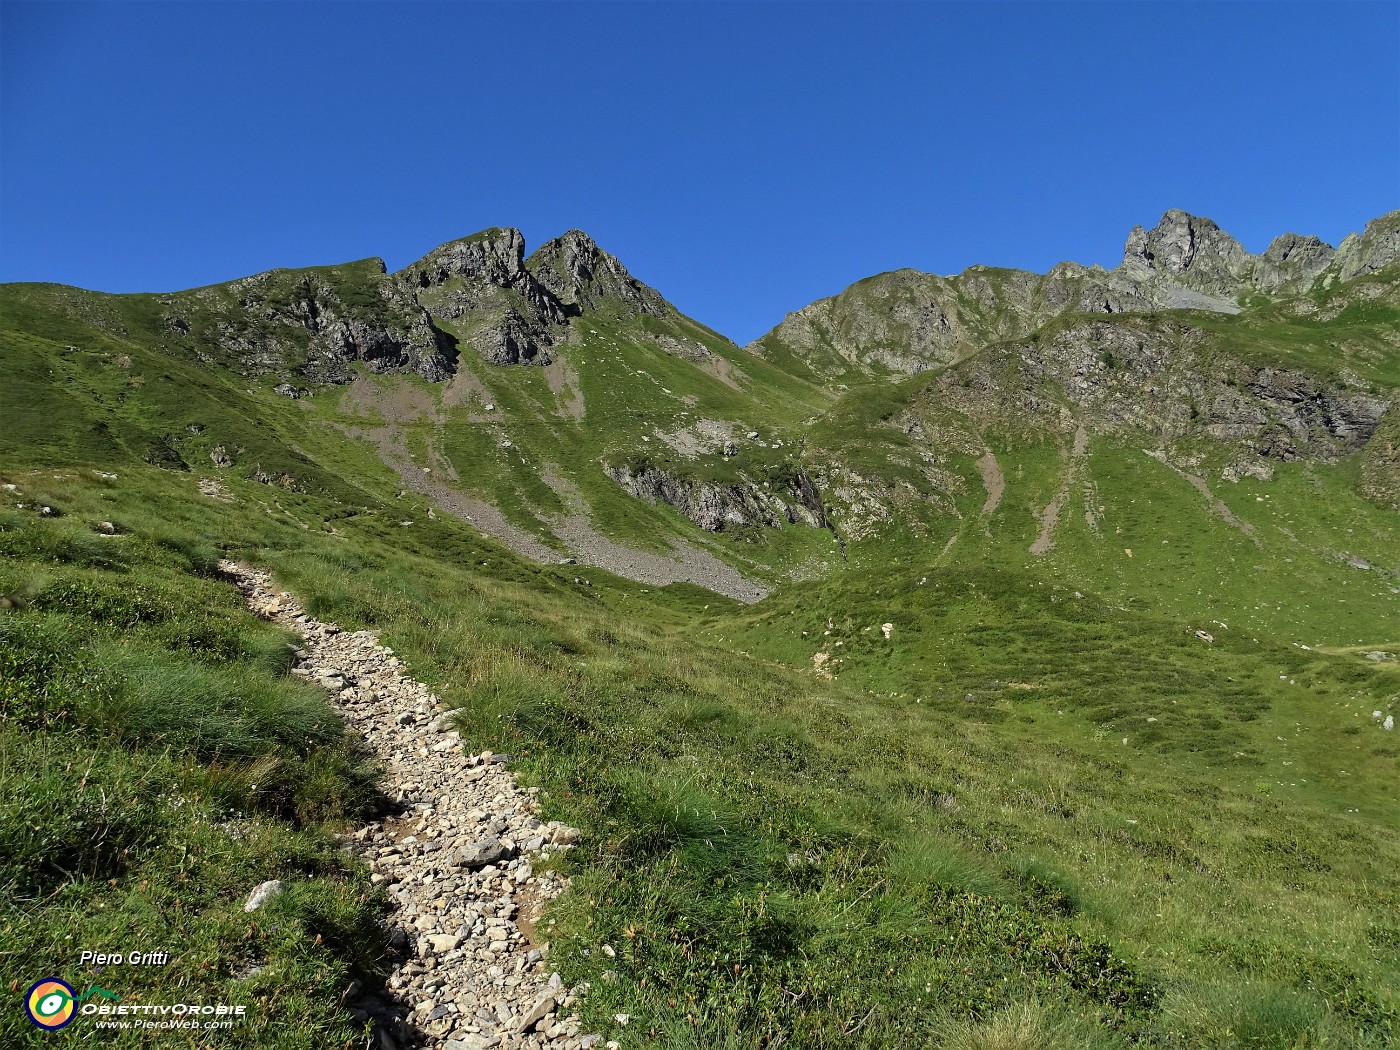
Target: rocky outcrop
[1166,380]
[1291,263]
[901,322]
[1187,251]
[1374,248]
[581,276]
[907,321]
[792,500]
[315,323]
[1380,461]
[481,284]
[311,323]
[514,310]
[494,258]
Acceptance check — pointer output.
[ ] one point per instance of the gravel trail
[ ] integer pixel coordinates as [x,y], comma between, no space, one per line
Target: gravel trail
[456,862]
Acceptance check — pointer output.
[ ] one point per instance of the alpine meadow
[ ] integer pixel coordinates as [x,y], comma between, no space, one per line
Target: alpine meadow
[486,654]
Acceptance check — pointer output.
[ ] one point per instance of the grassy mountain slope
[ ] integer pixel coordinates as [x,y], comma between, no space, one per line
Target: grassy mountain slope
[1044,803]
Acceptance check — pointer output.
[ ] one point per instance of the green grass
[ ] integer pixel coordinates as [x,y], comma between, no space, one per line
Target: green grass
[155,764]
[630,388]
[905,872]
[1043,813]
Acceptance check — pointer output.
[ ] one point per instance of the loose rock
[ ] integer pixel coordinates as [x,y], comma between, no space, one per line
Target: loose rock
[451,863]
[262,894]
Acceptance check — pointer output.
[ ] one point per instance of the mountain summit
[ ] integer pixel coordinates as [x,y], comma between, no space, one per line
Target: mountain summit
[908,321]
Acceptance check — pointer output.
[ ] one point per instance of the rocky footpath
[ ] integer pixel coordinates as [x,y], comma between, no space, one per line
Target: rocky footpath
[458,861]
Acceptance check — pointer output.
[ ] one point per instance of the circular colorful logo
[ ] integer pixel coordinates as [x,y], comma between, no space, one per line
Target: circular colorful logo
[49,1003]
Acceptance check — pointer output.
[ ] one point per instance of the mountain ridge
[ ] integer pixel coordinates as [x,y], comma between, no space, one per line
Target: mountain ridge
[877,674]
[919,320]
[521,307]
[566,394]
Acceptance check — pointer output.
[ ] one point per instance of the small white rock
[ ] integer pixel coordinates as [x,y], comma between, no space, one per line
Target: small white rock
[262,894]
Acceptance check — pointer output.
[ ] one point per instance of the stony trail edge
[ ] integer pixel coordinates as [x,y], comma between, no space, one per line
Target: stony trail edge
[455,862]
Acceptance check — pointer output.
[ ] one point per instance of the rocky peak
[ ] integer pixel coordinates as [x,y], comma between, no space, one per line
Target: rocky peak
[1291,262]
[513,310]
[1294,247]
[581,276]
[481,284]
[907,321]
[495,255]
[1376,246]
[1187,250]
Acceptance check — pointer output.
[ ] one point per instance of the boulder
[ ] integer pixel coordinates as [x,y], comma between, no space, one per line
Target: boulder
[262,894]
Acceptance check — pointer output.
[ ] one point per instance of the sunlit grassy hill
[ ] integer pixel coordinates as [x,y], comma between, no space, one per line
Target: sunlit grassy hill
[1027,700]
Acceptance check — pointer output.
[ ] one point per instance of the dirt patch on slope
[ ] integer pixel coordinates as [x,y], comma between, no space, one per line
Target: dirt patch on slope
[703,437]
[1050,516]
[992,480]
[563,380]
[392,447]
[399,403]
[685,563]
[722,370]
[1216,505]
[574,531]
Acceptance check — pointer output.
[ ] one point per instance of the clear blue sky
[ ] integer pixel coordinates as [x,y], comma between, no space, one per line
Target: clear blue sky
[743,159]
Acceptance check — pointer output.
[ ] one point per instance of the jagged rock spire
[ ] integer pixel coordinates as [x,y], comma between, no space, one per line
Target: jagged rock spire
[581,275]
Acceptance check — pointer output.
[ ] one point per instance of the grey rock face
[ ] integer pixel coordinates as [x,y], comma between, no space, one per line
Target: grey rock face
[1311,413]
[1292,262]
[489,850]
[1378,245]
[1380,460]
[904,321]
[482,283]
[1091,290]
[713,506]
[511,339]
[582,276]
[315,323]
[262,894]
[466,268]
[907,321]
[494,256]
[1164,379]
[692,352]
[514,310]
[1187,250]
